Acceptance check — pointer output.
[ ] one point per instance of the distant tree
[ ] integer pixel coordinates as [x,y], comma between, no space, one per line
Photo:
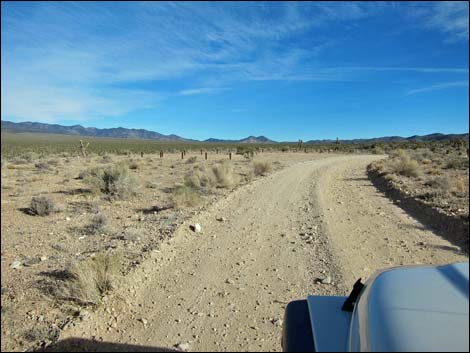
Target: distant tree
[83,148]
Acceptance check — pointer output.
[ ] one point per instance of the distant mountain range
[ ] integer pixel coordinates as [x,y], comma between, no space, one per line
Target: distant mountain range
[249,139]
[79,130]
[120,132]
[414,138]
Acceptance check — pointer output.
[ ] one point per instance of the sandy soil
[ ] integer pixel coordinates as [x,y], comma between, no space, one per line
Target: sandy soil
[45,246]
[226,288]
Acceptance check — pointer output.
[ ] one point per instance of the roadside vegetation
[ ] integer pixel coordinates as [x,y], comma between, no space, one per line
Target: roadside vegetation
[118,200]
[436,174]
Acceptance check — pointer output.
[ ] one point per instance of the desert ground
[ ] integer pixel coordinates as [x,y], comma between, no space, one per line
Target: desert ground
[206,270]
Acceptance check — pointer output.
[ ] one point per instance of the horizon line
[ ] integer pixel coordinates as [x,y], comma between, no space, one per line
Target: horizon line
[222,139]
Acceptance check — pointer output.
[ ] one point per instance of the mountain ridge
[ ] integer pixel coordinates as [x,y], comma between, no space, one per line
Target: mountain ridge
[120,132]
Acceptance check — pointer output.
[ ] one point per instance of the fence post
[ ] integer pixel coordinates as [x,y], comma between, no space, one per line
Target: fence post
[230,155]
[205,156]
[182,154]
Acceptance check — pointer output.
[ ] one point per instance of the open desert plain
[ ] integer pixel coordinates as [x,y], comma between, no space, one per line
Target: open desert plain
[182,252]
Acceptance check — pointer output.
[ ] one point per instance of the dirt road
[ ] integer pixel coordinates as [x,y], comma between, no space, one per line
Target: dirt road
[226,288]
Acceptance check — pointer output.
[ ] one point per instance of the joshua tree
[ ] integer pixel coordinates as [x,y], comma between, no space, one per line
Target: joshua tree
[83,148]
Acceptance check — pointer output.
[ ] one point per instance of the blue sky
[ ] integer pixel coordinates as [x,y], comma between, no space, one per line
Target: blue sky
[228,70]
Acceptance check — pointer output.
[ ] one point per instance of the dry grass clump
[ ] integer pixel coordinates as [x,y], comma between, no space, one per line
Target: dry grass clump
[224,175]
[404,165]
[41,332]
[220,175]
[191,160]
[98,224]
[457,163]
[261,168]
[42,167]
[441,184]
[106,159]
[116,182]
[42,206]
[25,158]
[185,196]
[133,164]
[199,178]
[94,172]
[434,171]
[87,281]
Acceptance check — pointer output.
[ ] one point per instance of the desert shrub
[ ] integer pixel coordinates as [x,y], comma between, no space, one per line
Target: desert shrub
[106,159]
[426,161]
[184,195]
[247,177]
[93,172]
[403,164]
[133,164]
[193,179]
[224,175]
[41,332]
[192,159]
[440,184]
[41,206]
[115,182]
[199,178]
[42,167]
[19,160]
[434,171]
[261,168]
[460,163]
[250,150]
[87,281]
[98,224]
[378,150]
[53,162]
[220,175]
[28,157]
[447,184]
[461,185]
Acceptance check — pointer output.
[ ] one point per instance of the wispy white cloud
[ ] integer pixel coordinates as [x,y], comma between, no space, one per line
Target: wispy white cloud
[65,60]
[439,86]
[448,17]
[201,90]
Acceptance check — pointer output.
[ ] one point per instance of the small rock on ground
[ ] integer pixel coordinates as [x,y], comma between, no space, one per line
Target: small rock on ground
[196,227]
[184,347]
[16,264]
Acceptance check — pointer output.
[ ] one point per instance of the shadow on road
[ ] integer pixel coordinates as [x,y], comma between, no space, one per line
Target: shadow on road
[85,345]
[452,228]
